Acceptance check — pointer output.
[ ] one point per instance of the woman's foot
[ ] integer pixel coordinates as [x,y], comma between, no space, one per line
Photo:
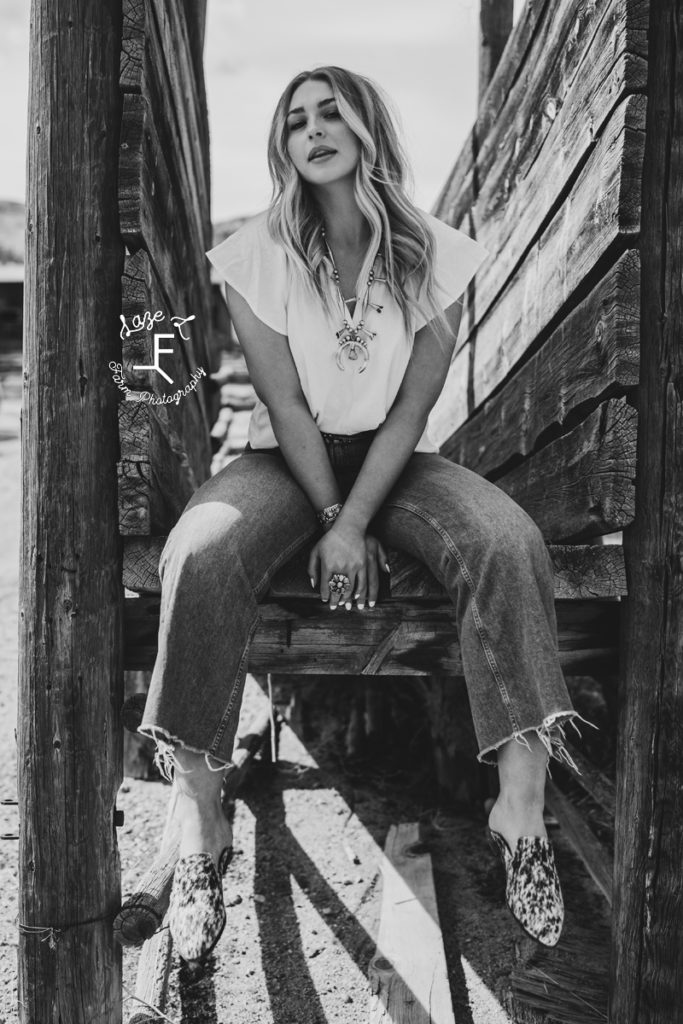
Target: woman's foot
[203,827]
[513,816]
[196,913]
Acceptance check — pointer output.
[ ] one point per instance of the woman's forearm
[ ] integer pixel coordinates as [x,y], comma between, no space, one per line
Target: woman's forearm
[388,454]
[304,450]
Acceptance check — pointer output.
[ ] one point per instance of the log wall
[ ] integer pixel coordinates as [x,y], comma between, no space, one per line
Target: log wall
[164,210]
[540,396]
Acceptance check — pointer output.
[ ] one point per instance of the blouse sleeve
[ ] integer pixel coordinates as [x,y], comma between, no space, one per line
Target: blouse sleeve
[255,266]
[458,257]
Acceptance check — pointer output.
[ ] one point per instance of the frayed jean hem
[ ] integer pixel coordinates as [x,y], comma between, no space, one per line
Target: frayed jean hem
[550,732]
[164,755]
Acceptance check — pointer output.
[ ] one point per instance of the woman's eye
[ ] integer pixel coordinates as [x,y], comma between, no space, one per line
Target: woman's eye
[295,125]
[332,114]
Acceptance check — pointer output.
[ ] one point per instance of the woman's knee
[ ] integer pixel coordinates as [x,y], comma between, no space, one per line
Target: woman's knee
[206,534]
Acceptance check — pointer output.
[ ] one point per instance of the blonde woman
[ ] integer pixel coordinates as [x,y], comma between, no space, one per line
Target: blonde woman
[347,300]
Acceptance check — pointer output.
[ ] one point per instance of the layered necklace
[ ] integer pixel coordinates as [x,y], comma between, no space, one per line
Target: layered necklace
[353,338]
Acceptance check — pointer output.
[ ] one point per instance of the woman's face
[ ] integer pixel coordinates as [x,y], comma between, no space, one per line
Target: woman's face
[320,144]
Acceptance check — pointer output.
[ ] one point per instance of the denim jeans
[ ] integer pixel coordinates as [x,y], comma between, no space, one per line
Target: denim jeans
[243,523]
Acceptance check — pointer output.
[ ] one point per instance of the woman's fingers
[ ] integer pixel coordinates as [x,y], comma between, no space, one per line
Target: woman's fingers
[313,565]
[360,590]
[382,557]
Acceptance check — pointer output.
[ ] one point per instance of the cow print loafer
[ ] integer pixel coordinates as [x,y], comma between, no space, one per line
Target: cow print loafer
[196,910]
[532,888]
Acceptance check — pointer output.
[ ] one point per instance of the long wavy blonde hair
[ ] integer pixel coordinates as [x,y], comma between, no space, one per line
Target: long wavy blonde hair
[398,229]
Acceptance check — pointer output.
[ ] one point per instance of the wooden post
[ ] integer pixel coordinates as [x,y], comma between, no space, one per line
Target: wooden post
[647,952]
[71,596]
[495,25]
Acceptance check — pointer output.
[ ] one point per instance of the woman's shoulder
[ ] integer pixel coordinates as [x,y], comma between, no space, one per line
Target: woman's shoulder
[452,239]
[252,233]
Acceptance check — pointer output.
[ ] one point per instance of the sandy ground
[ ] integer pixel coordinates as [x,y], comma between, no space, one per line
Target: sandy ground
[304,888]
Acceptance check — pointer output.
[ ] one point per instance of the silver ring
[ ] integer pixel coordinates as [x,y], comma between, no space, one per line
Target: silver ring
[338,583]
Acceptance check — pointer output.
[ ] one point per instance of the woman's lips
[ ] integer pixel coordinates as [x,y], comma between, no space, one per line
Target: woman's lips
[322,156]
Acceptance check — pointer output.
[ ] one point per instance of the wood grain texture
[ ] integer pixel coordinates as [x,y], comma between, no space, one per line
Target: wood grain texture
[550,101]
[408,974]
[591,355]
[70,598]
[601,211]
[581,485]
[646,952]
[395,638]
[595,857]
[154,485]
[581,571]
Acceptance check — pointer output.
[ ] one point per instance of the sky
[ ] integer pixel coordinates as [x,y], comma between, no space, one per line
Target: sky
[423,53]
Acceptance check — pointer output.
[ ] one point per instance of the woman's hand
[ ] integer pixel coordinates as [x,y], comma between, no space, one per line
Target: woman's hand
[352,553]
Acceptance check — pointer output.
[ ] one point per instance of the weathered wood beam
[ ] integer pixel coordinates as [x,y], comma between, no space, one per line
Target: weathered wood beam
[582,484]
[647,953]
[564,73]
[395,638]
[592,354]
[595,857]
[408,974]
[495,25]
[581,571]
[70,593]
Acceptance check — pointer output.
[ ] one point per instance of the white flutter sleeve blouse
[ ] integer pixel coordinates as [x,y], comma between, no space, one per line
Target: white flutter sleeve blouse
[341,401]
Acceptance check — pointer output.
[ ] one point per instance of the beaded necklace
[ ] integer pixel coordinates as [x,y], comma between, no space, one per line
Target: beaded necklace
[353,338]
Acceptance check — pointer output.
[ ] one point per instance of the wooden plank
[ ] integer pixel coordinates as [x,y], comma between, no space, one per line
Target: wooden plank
[408,974]
[581,571]
[70,653]
[591,355]
[566,102]
[154,485]
[305,637]
[596,859]
[646,983]
[600,213]
[581,485]
[576,67]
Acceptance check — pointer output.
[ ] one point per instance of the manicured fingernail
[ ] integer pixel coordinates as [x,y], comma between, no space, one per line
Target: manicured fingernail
[356,596]
[349,606]
[312,582]
[361,605]
[386,566]
[371,604]
[332,607]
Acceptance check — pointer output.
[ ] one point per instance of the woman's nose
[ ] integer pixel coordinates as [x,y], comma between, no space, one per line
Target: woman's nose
[313,131]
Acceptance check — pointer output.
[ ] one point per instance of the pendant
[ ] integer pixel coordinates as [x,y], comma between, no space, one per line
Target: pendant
[353,347]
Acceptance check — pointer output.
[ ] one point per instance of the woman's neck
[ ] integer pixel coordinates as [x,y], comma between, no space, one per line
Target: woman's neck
[345,226]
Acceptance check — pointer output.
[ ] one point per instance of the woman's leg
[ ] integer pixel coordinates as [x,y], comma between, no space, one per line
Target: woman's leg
[235,531]
[492,560]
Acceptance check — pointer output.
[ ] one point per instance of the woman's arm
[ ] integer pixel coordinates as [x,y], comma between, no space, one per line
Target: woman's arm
[391,448]
[395,440]
[277,384]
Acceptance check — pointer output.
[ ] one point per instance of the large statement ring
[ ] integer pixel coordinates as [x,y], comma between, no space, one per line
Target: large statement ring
[338,583]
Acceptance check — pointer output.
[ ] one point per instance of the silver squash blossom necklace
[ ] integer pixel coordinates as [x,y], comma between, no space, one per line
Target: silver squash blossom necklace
[352,339]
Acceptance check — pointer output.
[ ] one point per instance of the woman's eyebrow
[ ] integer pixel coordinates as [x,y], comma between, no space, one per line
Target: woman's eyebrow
[322,103]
